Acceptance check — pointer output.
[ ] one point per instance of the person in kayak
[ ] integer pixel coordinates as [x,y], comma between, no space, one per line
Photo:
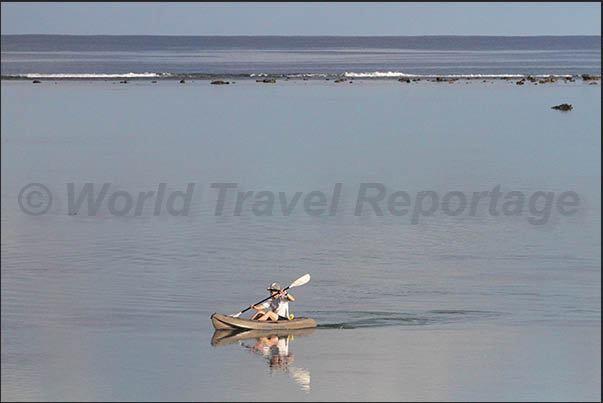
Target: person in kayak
[278,304]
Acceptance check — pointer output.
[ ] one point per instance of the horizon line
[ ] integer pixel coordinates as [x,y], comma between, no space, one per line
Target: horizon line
[309,36]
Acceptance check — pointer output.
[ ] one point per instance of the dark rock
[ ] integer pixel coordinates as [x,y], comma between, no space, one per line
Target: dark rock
[124,82]
[521,82]
[339,80]
[267,80]
[440,79]
[404,80]
[587,77]
[593,83]
[154,81]
[563,107]
[182,81]
[219,82]
[36,82]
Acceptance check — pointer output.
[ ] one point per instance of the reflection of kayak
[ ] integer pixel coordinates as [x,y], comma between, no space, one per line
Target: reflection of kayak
[223,337]
[228,322]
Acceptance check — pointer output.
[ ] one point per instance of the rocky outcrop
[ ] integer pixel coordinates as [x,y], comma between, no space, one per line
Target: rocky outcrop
[267,80]
[219,82]
[339,80]
[563,107]
[36,82]
[548,80]
[404,80]
[588,77]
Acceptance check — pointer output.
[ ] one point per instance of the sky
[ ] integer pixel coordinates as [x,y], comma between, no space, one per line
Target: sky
[302,18]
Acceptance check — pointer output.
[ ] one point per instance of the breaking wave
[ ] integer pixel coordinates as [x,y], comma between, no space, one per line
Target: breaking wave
[90,75]
[398,74]
[305,76]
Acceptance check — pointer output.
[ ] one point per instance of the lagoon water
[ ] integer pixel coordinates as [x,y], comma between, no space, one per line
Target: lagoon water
[103,307]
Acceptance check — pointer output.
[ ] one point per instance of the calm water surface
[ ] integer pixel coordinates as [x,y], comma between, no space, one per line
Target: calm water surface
[455,308]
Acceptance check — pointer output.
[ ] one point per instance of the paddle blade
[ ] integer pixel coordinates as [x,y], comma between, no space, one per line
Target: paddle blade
[236,315]
[300,281]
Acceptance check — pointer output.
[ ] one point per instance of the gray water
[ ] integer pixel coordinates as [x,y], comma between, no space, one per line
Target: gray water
[101,307]
[199,56]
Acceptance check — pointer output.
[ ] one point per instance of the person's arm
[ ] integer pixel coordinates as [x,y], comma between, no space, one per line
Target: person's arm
[289,296]
[260,307]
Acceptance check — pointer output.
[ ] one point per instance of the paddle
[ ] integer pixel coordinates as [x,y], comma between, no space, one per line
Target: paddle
[300,281]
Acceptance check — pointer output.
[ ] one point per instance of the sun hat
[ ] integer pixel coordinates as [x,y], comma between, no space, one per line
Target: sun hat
[274,287]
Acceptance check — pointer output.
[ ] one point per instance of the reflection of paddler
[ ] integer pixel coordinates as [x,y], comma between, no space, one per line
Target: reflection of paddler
[283,346]
[273,345]
[279,353]
[275,349]
[265,345]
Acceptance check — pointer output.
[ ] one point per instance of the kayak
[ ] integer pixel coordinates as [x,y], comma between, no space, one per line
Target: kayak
[223,337]
[221,322]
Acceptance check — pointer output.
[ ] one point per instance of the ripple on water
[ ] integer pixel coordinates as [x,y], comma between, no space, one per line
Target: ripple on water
[364,319]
